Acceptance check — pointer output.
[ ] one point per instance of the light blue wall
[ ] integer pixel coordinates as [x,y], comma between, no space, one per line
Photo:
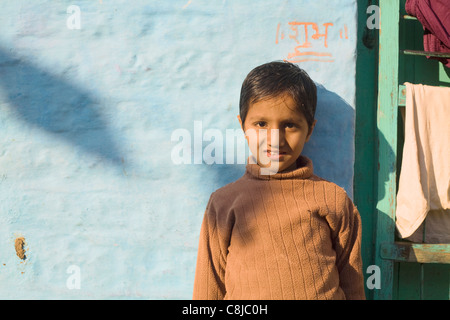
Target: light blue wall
[87,175]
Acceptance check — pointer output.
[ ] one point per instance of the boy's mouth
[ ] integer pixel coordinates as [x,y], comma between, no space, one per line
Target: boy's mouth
[275,154]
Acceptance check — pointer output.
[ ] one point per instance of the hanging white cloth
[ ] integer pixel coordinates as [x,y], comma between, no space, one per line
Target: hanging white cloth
[424,185]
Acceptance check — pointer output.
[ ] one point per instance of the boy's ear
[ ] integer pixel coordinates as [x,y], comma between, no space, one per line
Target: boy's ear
[311,130]
[240,122]
[242,127]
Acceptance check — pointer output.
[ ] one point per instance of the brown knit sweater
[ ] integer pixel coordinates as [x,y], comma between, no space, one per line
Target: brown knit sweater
[285,236]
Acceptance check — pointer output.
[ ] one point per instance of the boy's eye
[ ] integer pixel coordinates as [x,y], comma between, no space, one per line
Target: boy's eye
[260,124]
[290,125]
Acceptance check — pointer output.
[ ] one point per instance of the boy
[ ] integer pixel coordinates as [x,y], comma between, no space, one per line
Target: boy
[282,233]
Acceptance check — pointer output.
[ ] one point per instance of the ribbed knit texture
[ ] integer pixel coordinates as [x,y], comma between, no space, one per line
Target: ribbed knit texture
[284,236]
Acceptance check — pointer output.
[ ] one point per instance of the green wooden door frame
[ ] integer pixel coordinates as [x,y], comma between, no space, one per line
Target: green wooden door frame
[365,173]
[387,111]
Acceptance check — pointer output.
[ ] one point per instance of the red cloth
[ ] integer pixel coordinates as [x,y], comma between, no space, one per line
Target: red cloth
[435,18]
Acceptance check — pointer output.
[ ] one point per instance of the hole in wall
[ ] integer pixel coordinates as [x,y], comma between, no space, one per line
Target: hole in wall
[19,245]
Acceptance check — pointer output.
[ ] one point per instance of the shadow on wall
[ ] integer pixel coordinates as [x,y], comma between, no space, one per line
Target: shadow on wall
[383,177]
[53,104]
[331,147]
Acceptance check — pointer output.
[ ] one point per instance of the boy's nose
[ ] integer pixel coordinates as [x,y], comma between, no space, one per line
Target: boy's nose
[275,138]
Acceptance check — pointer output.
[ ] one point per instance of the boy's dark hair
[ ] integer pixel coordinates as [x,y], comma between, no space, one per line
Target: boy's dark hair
[275,78]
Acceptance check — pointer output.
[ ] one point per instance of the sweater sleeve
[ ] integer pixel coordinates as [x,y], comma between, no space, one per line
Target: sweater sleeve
[209,282]
[347,244]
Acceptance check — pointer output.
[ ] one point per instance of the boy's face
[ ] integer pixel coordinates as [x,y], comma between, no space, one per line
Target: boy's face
[278,132]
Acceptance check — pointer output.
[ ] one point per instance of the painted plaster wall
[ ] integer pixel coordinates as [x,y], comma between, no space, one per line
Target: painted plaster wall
[87,117]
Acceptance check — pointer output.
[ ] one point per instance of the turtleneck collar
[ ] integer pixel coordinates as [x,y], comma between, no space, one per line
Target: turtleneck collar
[304,171]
